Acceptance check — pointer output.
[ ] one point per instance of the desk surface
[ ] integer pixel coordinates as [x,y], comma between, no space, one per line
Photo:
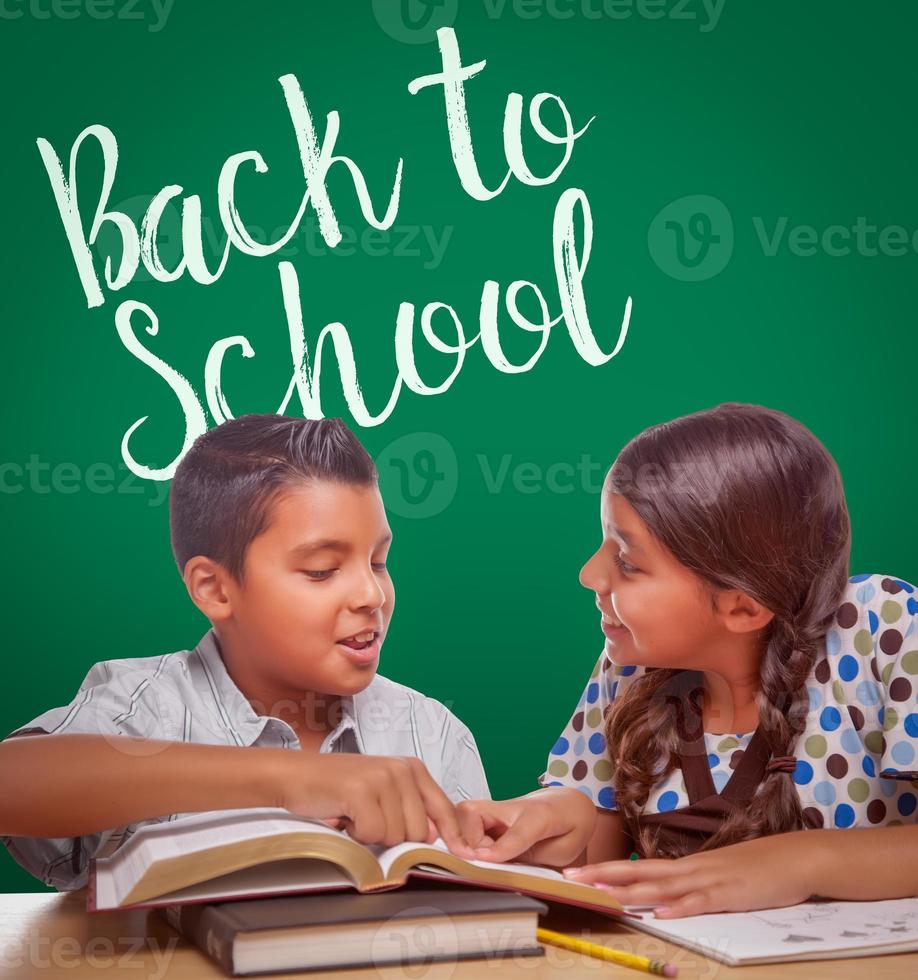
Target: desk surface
[51,935]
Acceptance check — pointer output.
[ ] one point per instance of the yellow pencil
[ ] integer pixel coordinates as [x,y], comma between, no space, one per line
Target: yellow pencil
[609,955]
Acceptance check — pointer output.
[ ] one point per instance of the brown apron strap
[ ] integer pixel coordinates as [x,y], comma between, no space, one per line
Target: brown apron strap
[743,782]
[741,786]
[697,772]
[693,755]
[699,820]
[707,808]
[693,759]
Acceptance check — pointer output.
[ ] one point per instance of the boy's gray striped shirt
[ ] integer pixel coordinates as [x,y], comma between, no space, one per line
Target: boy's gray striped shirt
[189,696]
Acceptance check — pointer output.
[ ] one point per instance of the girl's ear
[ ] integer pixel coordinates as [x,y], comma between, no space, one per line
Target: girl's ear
[740,613]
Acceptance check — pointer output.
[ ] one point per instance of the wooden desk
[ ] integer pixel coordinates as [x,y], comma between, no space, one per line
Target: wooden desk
[51,935]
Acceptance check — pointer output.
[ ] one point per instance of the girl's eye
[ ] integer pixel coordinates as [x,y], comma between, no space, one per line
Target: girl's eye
[623,565]
[380,566]
[319,575]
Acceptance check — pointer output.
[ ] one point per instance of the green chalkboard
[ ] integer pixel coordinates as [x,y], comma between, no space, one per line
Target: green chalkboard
[749,176]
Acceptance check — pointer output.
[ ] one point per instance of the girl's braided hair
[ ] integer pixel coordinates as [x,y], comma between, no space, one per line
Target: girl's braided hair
[747,498]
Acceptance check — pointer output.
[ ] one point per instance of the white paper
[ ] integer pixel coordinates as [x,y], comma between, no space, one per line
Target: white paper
[812,930]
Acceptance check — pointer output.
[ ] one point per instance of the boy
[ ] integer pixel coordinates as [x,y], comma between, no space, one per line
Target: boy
[280,535]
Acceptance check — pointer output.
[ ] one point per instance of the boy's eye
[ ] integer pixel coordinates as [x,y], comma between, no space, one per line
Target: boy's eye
[319,574]
[380,566]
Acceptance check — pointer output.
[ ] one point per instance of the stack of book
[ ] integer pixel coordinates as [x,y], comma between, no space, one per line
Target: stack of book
[243,885]
[267,891]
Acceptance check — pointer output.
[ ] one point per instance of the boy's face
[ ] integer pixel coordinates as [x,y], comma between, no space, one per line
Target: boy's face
[317,598]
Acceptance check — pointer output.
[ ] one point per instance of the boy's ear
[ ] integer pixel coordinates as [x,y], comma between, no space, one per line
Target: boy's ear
[206,582]
[740,613]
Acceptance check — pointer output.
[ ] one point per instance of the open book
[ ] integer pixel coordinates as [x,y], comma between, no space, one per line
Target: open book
[233,854]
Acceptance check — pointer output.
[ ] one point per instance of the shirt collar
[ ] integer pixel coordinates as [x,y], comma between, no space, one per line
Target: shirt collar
[243,724]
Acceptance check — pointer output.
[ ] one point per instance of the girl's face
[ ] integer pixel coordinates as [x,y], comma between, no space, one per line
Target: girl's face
[655,611]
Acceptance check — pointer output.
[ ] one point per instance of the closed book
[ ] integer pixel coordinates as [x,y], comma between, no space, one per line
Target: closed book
[331,931]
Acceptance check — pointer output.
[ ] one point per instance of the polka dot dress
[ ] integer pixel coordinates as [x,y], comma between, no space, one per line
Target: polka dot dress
[857,759]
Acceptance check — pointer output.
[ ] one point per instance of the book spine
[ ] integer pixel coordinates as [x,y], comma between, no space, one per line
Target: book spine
[208,931]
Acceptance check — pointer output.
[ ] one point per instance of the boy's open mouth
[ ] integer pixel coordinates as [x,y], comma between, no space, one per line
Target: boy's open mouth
[360,641]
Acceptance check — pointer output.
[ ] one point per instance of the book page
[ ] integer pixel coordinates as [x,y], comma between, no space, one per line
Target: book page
[199,831]
[116,875]
[388,856]
[812,930]
[291,876]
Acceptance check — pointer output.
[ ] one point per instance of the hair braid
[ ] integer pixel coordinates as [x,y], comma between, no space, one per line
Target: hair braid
[758,507]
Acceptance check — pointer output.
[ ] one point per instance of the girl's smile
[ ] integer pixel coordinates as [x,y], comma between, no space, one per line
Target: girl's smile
[656,612]
[613,628]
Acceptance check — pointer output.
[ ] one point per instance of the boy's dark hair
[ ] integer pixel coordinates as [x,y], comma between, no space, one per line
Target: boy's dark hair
[223,488]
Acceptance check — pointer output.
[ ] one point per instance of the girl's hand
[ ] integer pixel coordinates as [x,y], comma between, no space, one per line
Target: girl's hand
[769,872]
[550,826]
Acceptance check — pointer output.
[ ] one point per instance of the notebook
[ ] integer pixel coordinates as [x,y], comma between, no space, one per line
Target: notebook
[815,930]
[234,854]
[346,929]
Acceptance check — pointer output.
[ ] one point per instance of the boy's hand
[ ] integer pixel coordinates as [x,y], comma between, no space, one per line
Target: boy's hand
[376,799]
[550,826]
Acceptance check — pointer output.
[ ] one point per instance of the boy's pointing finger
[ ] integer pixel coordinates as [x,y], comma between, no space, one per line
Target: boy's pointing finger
[442,812]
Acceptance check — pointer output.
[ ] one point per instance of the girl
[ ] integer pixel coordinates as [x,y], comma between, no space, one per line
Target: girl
[751,700]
